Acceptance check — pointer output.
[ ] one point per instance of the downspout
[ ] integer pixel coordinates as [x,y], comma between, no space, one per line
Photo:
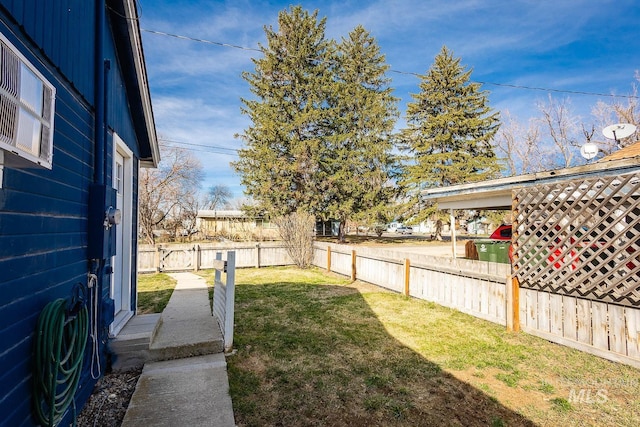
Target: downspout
[100,68]
[97,202]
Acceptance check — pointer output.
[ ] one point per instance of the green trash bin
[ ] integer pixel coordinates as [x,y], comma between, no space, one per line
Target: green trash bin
[493,250]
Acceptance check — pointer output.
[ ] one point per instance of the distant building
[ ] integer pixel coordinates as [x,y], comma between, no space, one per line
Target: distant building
[235,224]
[329,228]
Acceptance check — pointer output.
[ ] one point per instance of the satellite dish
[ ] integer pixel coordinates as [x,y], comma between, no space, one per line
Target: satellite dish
[589,150]
[618,131]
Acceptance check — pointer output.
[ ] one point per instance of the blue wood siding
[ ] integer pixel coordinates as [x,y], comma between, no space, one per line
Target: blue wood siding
[43,239]
[64,30]
[44,213]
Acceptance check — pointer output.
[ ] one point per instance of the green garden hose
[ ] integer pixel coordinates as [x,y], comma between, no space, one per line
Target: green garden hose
[61,337]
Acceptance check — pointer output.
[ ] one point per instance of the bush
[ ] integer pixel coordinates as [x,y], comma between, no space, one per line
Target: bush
[296,231]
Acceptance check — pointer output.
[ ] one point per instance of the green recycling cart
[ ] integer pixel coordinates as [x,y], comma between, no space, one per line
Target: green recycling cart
[493,250]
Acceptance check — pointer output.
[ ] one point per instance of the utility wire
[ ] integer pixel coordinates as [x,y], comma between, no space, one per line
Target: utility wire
[513,86]
[217,147]
[211,151]
[178,36]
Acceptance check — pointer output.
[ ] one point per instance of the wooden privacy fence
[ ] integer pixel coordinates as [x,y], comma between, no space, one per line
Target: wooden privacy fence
[224,296]
[607,330]
[486,290]
[194,257]
[577,259]
[481,289]
[477,288]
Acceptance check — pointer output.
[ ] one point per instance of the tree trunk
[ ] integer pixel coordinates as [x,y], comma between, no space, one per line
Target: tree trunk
[341,233]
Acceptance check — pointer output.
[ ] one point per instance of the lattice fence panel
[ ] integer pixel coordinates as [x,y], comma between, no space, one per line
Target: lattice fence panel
[580,238]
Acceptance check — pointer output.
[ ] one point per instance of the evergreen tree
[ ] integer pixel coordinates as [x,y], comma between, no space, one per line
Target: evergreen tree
[280,166]
[321,120]
[449,130]
[363,116]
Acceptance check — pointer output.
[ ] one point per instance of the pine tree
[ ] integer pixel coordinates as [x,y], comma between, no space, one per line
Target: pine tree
[363,116]
[449,130]
[280,166]
[321,123]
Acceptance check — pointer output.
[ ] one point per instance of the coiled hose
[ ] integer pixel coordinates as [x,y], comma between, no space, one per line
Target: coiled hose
[61,337]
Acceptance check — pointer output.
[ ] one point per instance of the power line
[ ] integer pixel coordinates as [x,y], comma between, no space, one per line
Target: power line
[217,147]
[513,86]
[178,36]
[213,151]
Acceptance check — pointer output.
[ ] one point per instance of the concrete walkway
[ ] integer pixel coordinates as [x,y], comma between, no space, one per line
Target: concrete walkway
[188,384]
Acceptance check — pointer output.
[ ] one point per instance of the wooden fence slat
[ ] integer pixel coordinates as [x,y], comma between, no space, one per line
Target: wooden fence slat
[569,318]
[483,297]
[544,319]
[617,333]
[407,274]
[532,309]
[583,312]
[493,299]
[633,332]
[555,307]
[599,322]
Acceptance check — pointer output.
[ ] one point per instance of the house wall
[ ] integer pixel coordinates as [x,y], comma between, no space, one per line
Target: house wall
[44,213]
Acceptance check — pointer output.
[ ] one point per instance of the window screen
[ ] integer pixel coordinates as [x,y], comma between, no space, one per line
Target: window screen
[26,108]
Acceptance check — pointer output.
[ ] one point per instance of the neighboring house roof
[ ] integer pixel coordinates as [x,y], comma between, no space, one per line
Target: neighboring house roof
[131,58]
[496,193]
[219,214]
[628,152]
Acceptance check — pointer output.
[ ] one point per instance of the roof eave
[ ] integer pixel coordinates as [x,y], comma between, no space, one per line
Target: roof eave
[496,193]
[135,72]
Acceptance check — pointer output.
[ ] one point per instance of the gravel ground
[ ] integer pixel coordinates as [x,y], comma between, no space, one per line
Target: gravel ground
[108,403]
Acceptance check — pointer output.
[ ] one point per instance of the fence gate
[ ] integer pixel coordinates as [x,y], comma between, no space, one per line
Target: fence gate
[176,259]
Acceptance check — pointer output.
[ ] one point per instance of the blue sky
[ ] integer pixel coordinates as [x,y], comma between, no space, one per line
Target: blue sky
[569,45]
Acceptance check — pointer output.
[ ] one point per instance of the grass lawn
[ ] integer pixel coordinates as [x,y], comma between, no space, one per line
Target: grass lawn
[313,349]
[154,291]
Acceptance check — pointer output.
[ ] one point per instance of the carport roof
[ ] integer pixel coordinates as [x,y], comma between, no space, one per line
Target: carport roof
[496,193]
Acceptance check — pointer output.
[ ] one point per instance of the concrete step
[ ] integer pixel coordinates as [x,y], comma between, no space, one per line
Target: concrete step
[187,326]
[130,349]
[184,392]
[178,339]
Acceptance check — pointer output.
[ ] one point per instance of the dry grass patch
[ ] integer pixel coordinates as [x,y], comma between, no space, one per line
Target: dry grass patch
[313,349]
[316,354]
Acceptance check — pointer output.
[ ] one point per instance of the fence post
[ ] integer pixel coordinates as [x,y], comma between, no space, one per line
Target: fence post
[257,255]
[513,304]
[407,269]
[156,259]
[353,265]
[230,301]
[516,304]
[196,257]
[328,258]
